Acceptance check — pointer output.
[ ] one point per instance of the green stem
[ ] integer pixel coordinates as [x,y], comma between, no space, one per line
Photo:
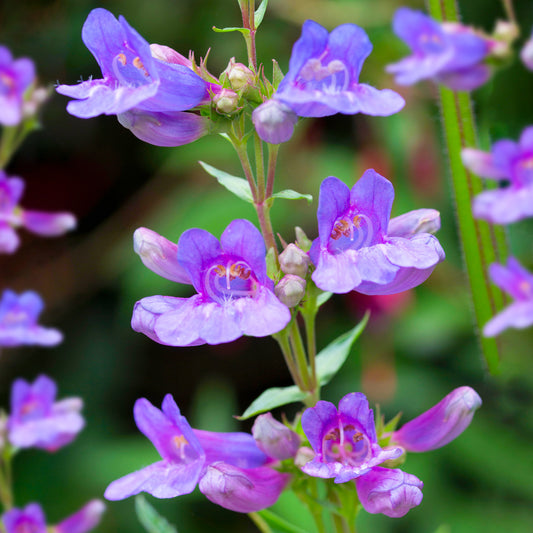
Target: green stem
[8,144]
[272,162]
[283,341]
[6,492]
[301,360]
[509,10]
[310,337]
[482,243]
[260,523]
[248,22]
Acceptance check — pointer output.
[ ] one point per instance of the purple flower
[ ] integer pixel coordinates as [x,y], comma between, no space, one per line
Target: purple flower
[31,519]
[389,492]
[358,248]
[18,321]
[507,160]
[526,54]
[232,471]
[517,282]
[13,216]
[450,54]
[37,420]
[275,438]
[16,76]
[274,121]
[235,296]
[440,424]
[344,440]
[132,77]
[323,76]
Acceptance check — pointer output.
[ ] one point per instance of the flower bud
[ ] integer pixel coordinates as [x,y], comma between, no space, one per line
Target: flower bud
[303,456]
[169,55]
[293,260]
[274,121]
[440,424]
[290,290]
[389,492]
[526,54]
[87,518]
[226,101]
[239,75]
[275,438]
[244,490]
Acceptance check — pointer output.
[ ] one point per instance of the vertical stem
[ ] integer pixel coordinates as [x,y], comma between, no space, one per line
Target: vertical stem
[299,351]
[283,341]
[260,523]
[482,243]
[272,161]
[310,333]
[509,10]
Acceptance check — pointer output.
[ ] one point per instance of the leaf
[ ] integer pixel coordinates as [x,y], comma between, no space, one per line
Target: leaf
[238,186]
[277,74]
[322,298]
[151,520]
[244,31]
[260,13]
[289,194]
[331,358]
[271,398]
[278,523]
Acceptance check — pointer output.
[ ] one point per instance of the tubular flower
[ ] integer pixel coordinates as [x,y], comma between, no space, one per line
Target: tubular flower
[450,54]
[231,470]
[235,296]
[37,420]
[518,283]
[359,249]
[13,216]
[132,77]
[18,321]
[507,160]
[440,424]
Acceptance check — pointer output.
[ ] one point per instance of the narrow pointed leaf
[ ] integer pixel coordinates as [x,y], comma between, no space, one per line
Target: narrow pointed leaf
[279,524]
[330,359]
[260,13]
[151,520]
[238,186]
[244,31]
[272,398]
[289,194]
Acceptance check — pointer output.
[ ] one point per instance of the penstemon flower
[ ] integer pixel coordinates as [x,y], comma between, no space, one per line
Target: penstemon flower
[507,160]
[323,79]
[359,249]
[229,467]
[18,321]
[16,76]
[13,216]
[518,283]
[36,420]
[451,54]
[132,77]
[235,296]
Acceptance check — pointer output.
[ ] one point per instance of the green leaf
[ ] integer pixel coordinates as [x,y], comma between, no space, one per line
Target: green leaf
[277,74]
[244,31]
[322,298]
[277,523]
[271,398]
[331,358]
[289,194]
[238,186]
[260,13]
[152,521]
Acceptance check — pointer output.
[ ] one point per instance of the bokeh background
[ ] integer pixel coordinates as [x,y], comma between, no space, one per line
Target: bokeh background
[418,346]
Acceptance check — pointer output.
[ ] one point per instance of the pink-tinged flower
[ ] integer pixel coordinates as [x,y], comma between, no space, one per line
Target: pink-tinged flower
[235,295]
[12,216]
[526,54]
[31,519]
[518,283]
[359,248]
[37,420]
[275,438]
[451,54]
[231,470]
[19,321]
[132,77]
[510,161]
[16,76]
[389,492]
[344,440]
[441,424]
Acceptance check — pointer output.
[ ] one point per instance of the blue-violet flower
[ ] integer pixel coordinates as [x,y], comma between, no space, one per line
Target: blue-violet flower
[18,321]
[510,161]
[12,215]
[358,248]
[16,76]
[37,420]
[231,470]
[235,296]
[515,280]
[449,53]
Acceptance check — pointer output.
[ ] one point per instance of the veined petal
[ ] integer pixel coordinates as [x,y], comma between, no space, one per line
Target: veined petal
[337,273]
[242,490]
[333,201]
[413,222]
[420,251]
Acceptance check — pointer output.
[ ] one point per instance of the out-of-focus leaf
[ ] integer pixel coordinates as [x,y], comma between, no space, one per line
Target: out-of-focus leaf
[278,524]
[244,31]
[289,194]
[151,520]
[260,13]
[238,186]
[271,398]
